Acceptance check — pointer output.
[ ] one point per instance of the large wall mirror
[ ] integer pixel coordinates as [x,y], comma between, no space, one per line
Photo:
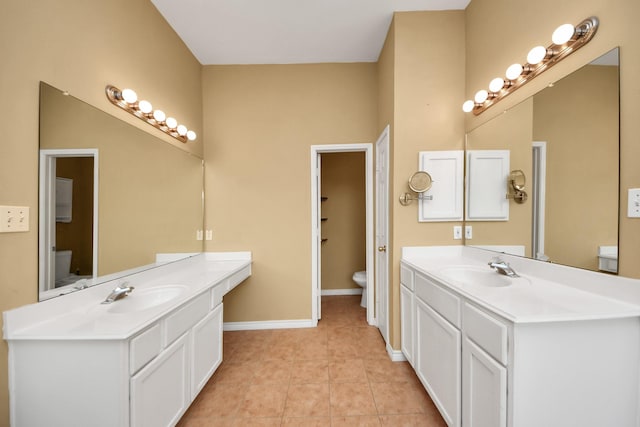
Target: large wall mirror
[111,196]
[565,139]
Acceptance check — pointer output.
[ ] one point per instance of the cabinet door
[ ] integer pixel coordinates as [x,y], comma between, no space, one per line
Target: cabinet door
[437,359]
[207,349]
[407,313]
[160,391]
[484,388]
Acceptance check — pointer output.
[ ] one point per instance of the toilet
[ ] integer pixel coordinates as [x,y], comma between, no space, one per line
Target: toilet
[63,265]
[360,277]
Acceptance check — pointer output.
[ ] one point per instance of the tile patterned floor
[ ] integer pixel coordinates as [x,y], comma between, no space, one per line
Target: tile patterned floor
[337,374]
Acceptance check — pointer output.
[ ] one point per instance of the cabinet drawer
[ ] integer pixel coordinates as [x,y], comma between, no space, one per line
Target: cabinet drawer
[406,276]
[144,348]
[486,331]
[441,300]
[186,316]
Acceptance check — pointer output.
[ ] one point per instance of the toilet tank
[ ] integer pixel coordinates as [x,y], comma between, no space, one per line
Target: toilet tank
[63,264]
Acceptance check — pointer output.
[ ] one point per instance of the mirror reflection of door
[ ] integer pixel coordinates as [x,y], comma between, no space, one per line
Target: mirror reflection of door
[68,195]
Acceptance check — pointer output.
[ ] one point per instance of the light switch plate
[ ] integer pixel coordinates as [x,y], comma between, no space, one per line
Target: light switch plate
[14,219]
[633,210]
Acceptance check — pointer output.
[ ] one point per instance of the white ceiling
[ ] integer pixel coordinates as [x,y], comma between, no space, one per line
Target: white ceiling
[288,31]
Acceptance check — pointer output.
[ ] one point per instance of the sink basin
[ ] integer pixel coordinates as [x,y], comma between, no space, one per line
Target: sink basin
[471,275]
[143,299]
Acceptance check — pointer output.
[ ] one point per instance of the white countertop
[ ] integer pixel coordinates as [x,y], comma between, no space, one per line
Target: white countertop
[535,297]
[81,316]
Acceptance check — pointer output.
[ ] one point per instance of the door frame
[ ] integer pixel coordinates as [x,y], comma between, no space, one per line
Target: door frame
[316,151]
[538,198]
[46,212]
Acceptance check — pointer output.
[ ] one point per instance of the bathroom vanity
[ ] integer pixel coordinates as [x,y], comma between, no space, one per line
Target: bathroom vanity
[139,361]
[535,350]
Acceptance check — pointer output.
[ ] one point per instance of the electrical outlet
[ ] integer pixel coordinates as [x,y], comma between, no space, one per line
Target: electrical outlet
[209,234]
[633,210]
[14,219]
[457,232]
[199,235]
[468,232]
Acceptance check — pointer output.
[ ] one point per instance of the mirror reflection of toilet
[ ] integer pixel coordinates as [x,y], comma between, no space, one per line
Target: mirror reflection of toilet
[360,277]
[63,265]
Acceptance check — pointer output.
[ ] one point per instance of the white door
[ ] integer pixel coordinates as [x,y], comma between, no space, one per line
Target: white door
[382,232]
[484,388]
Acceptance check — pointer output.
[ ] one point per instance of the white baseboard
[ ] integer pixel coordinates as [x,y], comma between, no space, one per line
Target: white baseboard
[269,324]
[395,355]
[350,291]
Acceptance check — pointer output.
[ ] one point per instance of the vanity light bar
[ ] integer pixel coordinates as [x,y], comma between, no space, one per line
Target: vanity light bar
[566,39]
[127,99]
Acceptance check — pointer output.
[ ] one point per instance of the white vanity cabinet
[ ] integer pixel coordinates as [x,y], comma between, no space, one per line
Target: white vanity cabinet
[438,346]
[100,367]
[408,313]
[484,374]
[163,390]
[160,392]
[482,369]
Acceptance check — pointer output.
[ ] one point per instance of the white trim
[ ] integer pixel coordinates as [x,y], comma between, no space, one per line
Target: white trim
[349,291]
[316,150]
[395,355]
[541,147]
[46,157]
[269,324]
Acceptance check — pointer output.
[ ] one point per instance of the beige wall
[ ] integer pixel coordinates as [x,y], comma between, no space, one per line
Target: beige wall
[260,123]
[80,46]
[344,252]
[578,118]
[428,81]
[491,47]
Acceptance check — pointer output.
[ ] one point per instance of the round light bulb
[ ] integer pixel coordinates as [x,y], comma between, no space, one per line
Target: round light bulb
[129,96]
[191,135]
[536,55]
[481,96]
[563,34]
[468,105]
[514,71]
[171,122]
[496,84]
[182,130]
[145,107]
[159,116]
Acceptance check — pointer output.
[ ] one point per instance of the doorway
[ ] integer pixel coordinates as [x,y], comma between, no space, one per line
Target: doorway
[316,223]
[68,217]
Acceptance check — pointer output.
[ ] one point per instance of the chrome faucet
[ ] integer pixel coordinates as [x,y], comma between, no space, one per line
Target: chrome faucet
[121,291]
[502,267]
